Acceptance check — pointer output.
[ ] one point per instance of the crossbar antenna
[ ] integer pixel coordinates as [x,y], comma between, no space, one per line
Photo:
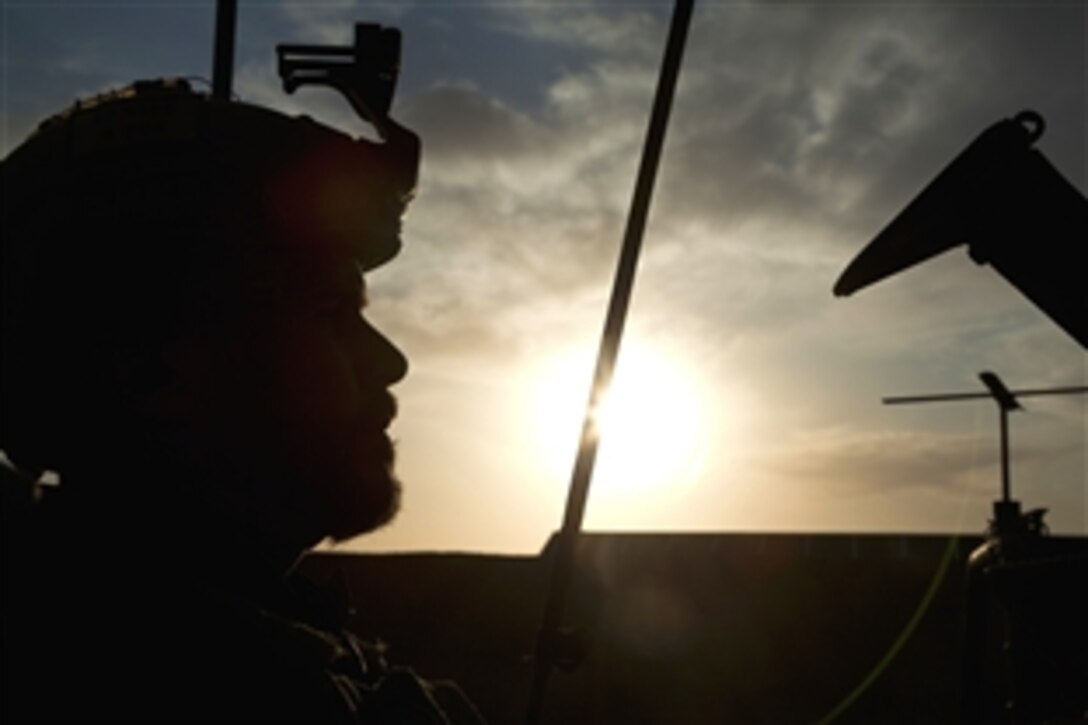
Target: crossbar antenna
[1007,401]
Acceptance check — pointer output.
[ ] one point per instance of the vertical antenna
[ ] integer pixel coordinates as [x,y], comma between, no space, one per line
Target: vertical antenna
[226,13]
[1006,402]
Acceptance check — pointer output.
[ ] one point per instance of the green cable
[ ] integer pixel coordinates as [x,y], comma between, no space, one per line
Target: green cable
[901,640]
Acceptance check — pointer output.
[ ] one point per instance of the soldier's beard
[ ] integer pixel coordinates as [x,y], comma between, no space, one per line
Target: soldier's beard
[372,499]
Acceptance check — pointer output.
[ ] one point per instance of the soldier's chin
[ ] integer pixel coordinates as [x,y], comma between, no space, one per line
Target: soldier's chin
[375,503]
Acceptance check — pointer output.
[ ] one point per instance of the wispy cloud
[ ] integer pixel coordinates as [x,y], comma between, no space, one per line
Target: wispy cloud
[629,30]
[852,462]
[331,22]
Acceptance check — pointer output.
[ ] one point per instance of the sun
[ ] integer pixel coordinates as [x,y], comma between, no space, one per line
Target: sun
[651,422]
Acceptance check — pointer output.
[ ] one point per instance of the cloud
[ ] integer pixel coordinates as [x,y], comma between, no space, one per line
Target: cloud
[326,23]
[797,133]
[531,199]
[332,22]
[844,461]
[614,28]
[790,111]
[462,124]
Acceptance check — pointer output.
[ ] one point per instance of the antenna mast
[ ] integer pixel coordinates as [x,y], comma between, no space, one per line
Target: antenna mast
[226,15]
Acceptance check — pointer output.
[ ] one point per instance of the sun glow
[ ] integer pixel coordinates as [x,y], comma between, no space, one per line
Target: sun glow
[652,426]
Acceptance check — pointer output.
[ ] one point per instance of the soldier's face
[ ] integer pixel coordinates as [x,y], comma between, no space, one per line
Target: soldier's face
[295,404]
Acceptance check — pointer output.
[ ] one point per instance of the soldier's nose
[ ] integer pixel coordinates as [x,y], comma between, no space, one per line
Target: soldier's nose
[382,360]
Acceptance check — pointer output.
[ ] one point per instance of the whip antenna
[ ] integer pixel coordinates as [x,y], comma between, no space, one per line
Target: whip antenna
[553,647]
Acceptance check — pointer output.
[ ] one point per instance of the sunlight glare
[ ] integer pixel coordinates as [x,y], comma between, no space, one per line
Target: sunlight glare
[651,423]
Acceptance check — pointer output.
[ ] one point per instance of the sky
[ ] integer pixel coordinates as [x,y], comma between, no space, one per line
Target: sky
[748,397]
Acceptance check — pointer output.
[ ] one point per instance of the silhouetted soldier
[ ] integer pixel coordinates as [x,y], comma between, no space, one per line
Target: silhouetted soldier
[183,343]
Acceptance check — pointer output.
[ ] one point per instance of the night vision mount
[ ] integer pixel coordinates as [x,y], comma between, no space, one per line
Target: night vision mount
[365,72]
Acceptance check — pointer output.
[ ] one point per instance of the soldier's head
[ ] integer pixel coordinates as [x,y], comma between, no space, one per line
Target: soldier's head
[183,279]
